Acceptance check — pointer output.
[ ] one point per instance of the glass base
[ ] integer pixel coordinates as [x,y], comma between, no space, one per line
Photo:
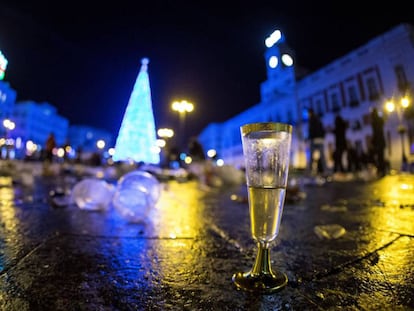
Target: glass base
[260,283]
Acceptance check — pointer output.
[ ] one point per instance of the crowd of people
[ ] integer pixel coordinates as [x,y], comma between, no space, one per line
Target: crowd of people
[347,156]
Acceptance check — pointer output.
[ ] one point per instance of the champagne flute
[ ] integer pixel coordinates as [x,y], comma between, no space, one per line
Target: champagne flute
[266,151]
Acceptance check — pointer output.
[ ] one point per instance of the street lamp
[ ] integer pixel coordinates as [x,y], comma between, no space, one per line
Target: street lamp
[166,134]
[391,106]
[100,144]
[182,107]
[8,126]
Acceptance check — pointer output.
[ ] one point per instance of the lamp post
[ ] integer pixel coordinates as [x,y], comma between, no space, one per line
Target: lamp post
[8,126]
[98,156]
[166,134]
[402,104]
[182,107]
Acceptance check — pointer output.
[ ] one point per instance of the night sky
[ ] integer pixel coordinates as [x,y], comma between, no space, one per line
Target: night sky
[84,58]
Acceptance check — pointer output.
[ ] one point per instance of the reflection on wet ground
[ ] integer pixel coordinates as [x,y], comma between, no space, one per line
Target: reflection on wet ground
[183,255]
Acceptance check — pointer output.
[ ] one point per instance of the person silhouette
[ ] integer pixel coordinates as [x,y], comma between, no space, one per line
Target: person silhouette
[378,141]
[340,143]
[49,146]
[316,137]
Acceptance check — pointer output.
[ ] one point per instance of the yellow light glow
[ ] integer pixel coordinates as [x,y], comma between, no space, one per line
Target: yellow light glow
[10,221]
[405,102]
[179,218]
[397,191]
[188,160]
[390,221]
[182,106]
[389,106]
[165,133]
[178,210]
[406,187]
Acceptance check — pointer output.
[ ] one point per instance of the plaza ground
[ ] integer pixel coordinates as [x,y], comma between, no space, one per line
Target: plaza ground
[343,245]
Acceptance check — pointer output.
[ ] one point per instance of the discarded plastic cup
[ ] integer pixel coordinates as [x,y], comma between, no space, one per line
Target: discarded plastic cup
[135,194]
[92,194]
[333,231]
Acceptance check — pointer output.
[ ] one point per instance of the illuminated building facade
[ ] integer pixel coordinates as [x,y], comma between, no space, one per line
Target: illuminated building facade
[85,138]
[351,86]
[35,121]
[7,100]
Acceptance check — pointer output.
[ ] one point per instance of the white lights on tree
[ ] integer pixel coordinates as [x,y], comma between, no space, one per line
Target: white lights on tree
[3,65]
[137,139]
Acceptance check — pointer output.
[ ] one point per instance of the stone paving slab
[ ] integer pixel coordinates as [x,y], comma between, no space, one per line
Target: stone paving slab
[183,257]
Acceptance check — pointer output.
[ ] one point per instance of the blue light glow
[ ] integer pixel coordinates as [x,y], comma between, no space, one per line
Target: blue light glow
[137,139]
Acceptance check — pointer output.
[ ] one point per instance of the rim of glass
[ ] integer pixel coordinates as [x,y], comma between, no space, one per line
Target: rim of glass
[266,126]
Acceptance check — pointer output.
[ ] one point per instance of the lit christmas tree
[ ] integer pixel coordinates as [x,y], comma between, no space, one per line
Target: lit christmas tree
[136,139]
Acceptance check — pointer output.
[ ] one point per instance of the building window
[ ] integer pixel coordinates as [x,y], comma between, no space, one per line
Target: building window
[318,108]
[356,125]
[278,118]
[352,96]
[373,93]
[290,117]
[366,119]
[335,103]
[401,78]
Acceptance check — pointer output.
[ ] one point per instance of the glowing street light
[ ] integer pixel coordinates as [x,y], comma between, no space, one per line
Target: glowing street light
[100,144]
[165,134]
[8,126]
[182,107]
[391,106]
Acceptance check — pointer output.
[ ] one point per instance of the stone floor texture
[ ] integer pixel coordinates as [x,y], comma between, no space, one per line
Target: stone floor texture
[343,246]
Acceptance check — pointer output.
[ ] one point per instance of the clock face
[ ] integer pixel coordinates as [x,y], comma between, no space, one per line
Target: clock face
[287,60]
[273,61]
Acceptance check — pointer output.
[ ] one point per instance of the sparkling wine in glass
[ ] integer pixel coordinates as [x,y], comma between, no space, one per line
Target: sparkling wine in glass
[266,151]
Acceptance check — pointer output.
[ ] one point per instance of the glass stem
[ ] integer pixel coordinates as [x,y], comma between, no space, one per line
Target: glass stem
[262,264]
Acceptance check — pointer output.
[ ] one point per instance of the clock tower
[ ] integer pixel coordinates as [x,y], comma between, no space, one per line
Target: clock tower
[280,68]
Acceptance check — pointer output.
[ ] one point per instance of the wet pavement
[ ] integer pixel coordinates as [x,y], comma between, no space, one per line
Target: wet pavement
[184,255]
